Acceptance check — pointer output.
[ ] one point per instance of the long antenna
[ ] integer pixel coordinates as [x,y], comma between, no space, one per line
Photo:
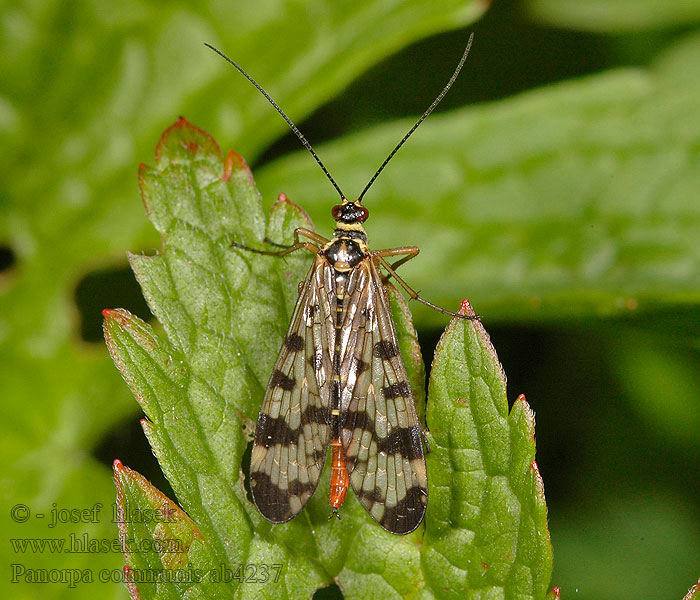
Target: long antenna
[296,131]
[430,109]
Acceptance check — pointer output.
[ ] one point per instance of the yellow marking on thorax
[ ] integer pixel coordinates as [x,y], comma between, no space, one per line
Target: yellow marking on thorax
[350,226]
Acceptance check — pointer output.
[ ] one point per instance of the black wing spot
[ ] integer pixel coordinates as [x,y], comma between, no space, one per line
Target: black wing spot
[405,441]
[275,430]
[355,419]
[407,514]
[385,350]
[360,366]
[294,342]
[370,498]
[272,502]
[401,389]
[281,380]
[270,431]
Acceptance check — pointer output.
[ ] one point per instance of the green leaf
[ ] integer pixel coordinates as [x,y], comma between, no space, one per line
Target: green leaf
[615,16]
[578,199]
[166,554]
[108,82]
[225,311]
[487,527]
[222,312]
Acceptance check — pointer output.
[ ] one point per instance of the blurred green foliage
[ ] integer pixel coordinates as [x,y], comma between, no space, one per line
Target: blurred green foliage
[567,215]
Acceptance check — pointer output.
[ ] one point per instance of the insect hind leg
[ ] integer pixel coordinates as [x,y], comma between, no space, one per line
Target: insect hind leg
[411,252]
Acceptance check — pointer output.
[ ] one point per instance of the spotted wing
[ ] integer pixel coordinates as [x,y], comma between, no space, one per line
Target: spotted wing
[292,432]
[380,434]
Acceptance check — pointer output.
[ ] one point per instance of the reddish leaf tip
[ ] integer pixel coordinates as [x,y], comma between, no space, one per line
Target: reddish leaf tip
[466,308]
[286,204]
[193,140]
[521,398]
[117,465]
[180,123]
[119,315]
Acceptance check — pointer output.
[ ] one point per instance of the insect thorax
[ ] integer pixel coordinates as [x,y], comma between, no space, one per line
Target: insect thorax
[346,250]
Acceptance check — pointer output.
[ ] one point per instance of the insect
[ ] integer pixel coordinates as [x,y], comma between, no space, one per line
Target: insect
[339,379]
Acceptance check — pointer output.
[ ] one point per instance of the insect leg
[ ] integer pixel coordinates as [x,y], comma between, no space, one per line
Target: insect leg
[308,234]
[267,240]
[298,233]
[428,450]
[410,291]
[409,251]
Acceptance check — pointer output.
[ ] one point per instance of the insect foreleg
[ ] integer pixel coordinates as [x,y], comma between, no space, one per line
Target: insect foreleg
[267,240]
[298,233]
[308,234]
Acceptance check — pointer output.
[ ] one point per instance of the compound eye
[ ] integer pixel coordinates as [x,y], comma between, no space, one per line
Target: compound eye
[364,213]
[336,212]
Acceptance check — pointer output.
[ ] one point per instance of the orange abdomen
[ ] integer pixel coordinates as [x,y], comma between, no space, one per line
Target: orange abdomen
[339,476]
